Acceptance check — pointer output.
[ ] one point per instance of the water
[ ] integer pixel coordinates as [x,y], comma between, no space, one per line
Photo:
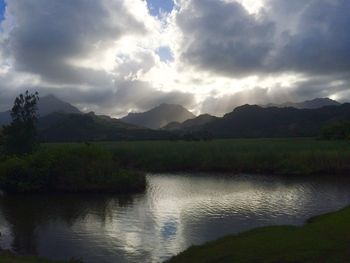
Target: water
[175,212]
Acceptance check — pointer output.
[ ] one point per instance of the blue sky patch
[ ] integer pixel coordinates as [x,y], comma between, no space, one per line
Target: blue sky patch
[156,5]
[2,9]
[165,54]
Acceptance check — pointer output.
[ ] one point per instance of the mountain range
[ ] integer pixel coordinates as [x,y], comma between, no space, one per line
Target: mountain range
[308,104]
[61,127]
[252,121]
[60,121]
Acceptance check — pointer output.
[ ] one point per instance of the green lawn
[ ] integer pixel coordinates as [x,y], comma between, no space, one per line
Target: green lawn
[323,239]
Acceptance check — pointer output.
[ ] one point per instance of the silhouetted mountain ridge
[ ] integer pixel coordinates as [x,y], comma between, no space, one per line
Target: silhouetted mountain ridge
[252,121]
[191,124]
[160,116]
[308,104]
[61,127]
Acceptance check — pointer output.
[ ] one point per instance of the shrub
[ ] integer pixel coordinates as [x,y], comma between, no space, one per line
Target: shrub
[336,131]
[68,168]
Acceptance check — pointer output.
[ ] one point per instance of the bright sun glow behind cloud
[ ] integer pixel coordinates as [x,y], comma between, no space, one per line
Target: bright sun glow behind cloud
[252,6]
[122,55]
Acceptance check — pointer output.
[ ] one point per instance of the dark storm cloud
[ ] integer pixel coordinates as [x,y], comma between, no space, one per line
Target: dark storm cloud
[321,43]
[49,33]
[223,37]
[286,36]
[44,37]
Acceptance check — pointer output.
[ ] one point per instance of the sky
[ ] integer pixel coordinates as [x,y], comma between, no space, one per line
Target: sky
[118,56]
[2,9]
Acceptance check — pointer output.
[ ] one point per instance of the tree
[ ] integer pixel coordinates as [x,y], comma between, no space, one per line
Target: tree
[20,137]
[336,131]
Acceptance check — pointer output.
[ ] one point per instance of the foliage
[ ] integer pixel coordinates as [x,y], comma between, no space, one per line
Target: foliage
[278,156]
[336,131]
[20,137]
[323,239]
[72,169]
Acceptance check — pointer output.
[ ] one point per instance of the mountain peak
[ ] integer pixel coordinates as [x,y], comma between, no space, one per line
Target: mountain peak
[159,116]
[46,105]
[50,103]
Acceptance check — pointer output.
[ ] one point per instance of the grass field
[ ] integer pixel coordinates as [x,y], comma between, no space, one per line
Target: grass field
[323,239]
[278,156]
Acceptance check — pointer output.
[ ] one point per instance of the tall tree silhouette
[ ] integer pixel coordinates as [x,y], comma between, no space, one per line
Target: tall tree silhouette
[20,137]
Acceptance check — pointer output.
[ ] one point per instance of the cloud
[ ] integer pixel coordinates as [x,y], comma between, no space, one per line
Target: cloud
[287,36]
[47,34]
[91,53]
[138,96]
[320,43]
[309,88]
[126,96]
[223,37]
[113,56]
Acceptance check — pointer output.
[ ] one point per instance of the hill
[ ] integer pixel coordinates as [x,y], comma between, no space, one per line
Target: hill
[46,105]
[61,127]
[252,121]
[309,104]
[160,116]
[191,124]
[50,104]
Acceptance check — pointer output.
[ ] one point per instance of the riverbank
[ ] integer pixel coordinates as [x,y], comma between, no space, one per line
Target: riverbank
[7,257]
[322,239]
[257,156]
[74,168]
[111,166]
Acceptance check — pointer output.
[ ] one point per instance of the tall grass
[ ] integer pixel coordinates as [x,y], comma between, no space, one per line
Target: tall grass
[68,168]
[282,156]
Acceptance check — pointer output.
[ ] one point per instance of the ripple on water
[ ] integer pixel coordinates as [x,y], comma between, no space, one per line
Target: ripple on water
[175,212]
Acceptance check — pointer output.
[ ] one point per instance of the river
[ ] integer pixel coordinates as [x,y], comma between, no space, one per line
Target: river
[174,213]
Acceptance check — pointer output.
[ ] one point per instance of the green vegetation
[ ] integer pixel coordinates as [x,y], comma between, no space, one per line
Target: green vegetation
[323,239]
[68,168]
[109,166]
[8,257]
[278,156]
[337,131]
[20,137]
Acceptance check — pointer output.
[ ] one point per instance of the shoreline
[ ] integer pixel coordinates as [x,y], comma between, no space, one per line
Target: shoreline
[321,238]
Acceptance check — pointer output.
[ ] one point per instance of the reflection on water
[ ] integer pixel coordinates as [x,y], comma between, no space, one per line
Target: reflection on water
[175,212]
